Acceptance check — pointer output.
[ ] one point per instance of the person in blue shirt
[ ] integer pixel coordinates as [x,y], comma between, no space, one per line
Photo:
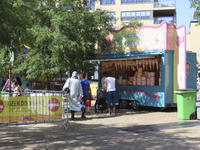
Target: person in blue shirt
[86,91]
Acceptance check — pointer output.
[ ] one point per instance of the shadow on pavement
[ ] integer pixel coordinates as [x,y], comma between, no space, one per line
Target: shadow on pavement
[88,135]
[83,135]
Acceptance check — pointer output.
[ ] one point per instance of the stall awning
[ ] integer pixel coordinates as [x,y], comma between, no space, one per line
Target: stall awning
[130,58]
[129,55]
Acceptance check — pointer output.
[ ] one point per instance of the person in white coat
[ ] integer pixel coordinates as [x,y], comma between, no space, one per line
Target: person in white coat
[75,91]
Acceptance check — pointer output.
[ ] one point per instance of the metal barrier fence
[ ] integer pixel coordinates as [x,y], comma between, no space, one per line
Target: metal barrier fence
[33,107]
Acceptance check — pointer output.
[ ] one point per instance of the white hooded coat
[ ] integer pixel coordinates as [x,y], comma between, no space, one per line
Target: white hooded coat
[75,90]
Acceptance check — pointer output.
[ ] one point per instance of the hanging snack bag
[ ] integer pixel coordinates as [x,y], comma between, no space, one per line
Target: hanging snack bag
[153,63]
[149,63]
[146,64]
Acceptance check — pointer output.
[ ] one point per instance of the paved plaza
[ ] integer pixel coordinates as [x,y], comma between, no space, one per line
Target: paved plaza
[147,129]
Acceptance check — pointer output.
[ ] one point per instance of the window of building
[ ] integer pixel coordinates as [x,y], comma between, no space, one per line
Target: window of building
[132,15]
[148,15]
[107,2]
[135,1]
[143,15]
[123,1]
[123,15]
[138,15]
[129,15]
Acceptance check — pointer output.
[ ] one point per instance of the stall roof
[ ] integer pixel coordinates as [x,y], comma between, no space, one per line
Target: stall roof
[129,55]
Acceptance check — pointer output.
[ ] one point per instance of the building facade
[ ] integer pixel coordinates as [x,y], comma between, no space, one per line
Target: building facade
[150,12]
[193,37]
[192,41]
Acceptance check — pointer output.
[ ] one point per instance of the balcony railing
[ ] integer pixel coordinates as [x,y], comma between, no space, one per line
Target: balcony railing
[196,18]
[135,1]
[159,20]
[164,3]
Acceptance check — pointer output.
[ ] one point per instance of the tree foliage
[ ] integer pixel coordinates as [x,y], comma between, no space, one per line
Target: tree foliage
[196,4]
[133,22]
[12,27]
[62,34]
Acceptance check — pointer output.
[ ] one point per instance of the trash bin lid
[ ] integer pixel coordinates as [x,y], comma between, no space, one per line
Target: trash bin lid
[187,89]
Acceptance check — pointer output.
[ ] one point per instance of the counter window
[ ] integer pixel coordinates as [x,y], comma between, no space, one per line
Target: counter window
[144,71]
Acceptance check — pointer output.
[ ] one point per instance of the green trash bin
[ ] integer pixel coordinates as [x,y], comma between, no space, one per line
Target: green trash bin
[186,104]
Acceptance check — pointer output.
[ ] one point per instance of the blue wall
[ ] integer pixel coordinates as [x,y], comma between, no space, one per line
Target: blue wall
[168,77]
[191,80]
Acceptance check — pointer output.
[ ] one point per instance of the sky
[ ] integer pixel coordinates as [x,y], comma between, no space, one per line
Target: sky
[184,13]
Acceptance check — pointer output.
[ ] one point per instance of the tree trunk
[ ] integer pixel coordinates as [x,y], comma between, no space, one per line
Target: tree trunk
[10,73]
[47,84]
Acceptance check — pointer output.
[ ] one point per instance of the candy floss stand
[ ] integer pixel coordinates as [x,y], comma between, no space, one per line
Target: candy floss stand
[149,64]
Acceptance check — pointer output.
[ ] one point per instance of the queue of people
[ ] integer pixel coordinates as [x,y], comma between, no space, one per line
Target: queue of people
[82,88]
[78,88]
[80,92]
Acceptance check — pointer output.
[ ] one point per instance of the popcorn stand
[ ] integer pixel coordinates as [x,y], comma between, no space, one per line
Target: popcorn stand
[149,64]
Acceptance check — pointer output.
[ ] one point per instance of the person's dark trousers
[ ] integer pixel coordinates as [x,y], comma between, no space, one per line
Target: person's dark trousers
[72,114]
[84,99]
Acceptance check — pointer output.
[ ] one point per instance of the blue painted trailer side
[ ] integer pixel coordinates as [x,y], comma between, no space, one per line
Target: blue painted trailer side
[191,80]
[154,96]
[168,77]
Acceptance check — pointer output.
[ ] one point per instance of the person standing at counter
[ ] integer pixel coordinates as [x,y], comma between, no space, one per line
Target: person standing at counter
[17,87]
[109,86]
[103,79]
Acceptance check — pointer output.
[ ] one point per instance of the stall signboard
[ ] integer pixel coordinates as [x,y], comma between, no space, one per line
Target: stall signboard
[148,38]
[30,108]
[132,38]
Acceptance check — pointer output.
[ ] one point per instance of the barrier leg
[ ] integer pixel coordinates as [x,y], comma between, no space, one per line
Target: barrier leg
[66,121]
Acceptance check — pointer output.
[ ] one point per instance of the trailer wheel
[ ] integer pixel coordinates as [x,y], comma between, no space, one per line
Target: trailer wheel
[123,104]
[192,116]
[135,105]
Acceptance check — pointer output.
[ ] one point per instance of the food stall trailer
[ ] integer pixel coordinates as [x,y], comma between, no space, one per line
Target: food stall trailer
[147,74]
[155,87]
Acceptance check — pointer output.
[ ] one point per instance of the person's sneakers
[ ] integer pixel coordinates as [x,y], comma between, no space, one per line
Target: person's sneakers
[83,115]
[108,114]
[113,114]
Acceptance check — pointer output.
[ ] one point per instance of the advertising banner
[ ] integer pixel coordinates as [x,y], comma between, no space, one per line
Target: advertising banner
[133,38]
[30,108]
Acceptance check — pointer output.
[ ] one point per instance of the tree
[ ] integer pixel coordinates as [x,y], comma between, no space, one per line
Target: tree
[133,22]
[196,4]
[63,36]
[14,21]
